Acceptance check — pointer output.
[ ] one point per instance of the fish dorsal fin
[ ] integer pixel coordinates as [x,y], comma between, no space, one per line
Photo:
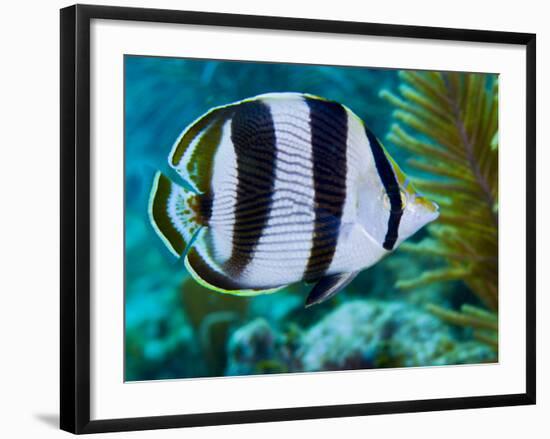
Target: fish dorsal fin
[193,152]
[328,287]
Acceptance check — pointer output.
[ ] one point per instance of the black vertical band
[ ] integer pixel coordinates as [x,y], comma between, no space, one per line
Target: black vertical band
[385,171]
[253,137]
[329,133]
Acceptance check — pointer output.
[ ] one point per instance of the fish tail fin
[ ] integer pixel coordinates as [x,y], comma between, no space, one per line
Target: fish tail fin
[177,214]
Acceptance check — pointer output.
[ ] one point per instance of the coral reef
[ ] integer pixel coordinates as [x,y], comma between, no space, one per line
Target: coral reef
[168,336]
[157,330]
[360,334]
[367,334]
[211,316]
[257,348]
[449,122]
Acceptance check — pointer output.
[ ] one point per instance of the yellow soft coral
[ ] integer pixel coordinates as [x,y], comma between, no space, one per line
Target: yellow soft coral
[448,121]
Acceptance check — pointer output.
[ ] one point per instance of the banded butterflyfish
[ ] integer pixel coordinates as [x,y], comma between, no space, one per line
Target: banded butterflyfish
[282,188]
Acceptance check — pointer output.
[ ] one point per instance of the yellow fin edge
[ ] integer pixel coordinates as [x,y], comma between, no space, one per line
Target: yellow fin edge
[244,293]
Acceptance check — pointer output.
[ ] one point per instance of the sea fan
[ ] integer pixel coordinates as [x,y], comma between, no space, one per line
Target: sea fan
[449,122]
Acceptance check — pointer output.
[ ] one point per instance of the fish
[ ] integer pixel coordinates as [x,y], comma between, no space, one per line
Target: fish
[283,188]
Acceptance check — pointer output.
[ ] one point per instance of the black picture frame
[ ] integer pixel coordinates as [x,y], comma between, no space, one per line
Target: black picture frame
[75,217]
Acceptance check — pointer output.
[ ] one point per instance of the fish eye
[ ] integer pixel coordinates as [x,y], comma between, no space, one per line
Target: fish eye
[387,203]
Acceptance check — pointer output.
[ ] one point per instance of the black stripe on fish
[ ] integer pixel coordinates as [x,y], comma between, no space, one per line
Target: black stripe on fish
[205,207]
[329,132]
[209,274]
[250,238]
[391,185]
[253,138]
[249,209]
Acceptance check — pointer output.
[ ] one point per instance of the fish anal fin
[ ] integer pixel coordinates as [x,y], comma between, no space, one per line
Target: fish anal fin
[209,274]
[328,287]
[206,268]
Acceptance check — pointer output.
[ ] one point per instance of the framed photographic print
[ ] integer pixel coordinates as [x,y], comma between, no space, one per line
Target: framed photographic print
[305,218]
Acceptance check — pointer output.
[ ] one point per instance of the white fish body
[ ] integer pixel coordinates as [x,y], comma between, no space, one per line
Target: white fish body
[285,187]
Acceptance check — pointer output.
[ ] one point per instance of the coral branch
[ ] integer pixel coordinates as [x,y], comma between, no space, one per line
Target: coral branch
[484,323]
[474,165]
[448,122]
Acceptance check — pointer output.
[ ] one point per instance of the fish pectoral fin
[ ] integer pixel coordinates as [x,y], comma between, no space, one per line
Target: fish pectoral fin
[328,287]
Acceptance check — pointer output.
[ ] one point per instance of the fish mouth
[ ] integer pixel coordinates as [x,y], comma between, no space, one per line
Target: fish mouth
[428,205]
[429,208]
[433,211]
[434,216]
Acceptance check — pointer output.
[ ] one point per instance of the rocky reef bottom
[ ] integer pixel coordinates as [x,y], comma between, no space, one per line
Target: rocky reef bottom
[358,334]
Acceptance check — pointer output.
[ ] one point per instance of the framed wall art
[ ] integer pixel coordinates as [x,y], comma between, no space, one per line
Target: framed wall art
[267,218]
